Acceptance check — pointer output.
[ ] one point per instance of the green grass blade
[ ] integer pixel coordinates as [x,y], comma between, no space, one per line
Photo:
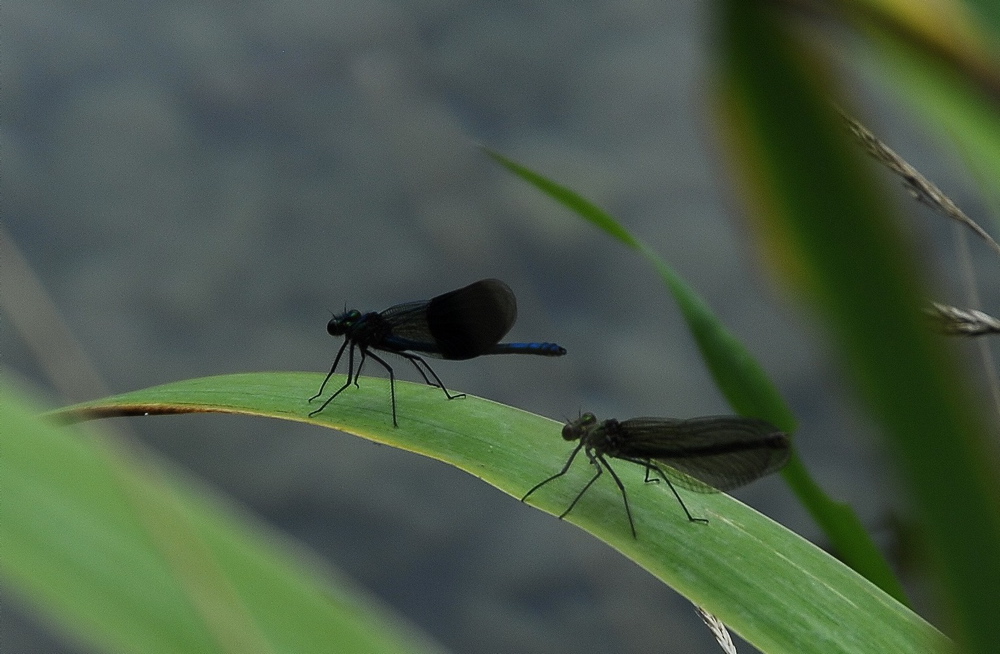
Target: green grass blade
[130,557]
[811,192]
[737,373]
[775,589]
[743,382]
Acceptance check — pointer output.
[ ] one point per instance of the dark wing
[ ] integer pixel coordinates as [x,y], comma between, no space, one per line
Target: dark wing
[468,322]
[409,329]
[724,452]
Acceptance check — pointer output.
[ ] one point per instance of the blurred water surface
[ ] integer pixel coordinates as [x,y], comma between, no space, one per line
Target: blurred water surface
[199,184]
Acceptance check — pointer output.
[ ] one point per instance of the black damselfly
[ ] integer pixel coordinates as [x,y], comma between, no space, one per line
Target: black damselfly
[462,324]
[707,454]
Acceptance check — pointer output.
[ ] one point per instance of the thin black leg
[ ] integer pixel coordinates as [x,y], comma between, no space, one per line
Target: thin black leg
[621,487]
[590,483]
[650,464]
[350,375]
[413,358]
[332,369]
[392,384]
[427,380]
[557,475]
[361,364]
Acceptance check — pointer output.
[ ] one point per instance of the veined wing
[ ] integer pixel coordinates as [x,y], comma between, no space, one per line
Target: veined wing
[724,452]
[409,328]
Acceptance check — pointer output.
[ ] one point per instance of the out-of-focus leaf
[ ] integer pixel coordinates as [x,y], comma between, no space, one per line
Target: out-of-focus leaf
[945,62]
[130,556]
[809,190]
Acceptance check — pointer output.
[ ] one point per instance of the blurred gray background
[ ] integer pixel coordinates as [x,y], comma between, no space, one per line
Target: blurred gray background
[199,184]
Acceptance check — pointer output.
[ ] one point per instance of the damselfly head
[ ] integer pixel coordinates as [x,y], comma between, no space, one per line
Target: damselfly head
[339,325]
[574,429]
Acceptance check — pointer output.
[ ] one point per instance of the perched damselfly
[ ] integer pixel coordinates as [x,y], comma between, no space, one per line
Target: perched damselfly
[462,324]
[706,454]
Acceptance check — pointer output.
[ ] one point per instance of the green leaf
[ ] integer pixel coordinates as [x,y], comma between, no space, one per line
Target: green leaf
[131,556]
[811,192]
[743,382]
[772,587]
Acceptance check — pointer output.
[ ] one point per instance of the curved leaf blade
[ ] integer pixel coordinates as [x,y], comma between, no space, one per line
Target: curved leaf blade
[792,595]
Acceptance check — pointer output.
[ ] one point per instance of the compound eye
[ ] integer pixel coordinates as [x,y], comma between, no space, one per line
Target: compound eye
[569,432]
[339,325]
